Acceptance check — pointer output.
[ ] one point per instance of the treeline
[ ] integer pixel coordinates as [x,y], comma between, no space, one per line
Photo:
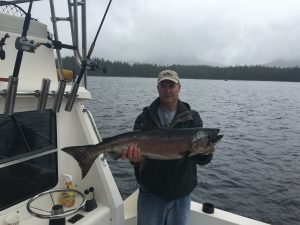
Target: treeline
[123,69]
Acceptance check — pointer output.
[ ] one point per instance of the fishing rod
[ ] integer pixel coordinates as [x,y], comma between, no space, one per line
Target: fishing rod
[13,80]
[84,64]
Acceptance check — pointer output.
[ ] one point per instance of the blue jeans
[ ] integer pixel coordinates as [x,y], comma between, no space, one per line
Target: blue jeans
[153,210]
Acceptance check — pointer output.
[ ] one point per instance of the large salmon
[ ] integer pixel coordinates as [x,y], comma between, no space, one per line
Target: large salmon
[163,144]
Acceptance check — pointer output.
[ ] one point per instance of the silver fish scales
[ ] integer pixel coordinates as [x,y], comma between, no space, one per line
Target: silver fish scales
[162,144]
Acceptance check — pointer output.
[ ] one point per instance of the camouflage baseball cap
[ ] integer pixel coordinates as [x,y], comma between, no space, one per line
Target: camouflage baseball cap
[168,75]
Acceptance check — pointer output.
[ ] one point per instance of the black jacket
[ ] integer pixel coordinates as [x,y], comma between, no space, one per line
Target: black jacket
[169,179]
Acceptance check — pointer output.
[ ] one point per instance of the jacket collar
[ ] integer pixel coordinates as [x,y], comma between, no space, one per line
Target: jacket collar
[183,112]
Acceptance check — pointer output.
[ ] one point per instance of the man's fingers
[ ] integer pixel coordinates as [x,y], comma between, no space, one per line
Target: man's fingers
[129,153]
[138,155]
[133,153]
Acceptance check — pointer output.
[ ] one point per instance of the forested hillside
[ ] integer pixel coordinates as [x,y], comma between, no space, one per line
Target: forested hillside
[124,69]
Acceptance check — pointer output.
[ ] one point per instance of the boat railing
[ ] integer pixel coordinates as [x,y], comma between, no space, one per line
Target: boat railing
[73,19]
[93,123]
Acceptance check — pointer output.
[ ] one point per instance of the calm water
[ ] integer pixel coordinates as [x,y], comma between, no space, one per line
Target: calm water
[256,168]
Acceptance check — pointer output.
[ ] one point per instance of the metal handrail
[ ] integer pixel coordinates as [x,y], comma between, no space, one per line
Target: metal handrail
[73,19]
[55,31]
[74,28]
[77,56]
[92,123]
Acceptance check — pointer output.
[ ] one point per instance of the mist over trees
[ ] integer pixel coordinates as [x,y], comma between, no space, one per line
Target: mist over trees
[124,69]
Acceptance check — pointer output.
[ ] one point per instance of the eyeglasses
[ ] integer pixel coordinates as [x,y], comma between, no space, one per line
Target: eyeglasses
[165,85]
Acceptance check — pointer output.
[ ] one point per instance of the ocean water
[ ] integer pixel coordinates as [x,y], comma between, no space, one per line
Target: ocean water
[255,171]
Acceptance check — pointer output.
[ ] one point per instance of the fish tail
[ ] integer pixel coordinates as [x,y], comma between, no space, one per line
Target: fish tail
[82,155]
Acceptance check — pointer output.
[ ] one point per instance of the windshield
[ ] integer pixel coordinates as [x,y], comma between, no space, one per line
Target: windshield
[28,155]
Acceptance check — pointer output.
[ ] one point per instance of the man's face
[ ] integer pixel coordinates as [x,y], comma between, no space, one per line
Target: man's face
[168,92]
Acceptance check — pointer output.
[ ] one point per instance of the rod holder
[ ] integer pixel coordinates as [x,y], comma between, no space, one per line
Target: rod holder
[59,95]
[43,97]
[72,97]
[10,97]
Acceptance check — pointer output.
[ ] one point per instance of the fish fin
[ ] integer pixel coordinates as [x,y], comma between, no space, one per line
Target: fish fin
[82,155]
[114,155]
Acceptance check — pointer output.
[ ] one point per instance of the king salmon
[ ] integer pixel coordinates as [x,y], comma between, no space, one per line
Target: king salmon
[162,144]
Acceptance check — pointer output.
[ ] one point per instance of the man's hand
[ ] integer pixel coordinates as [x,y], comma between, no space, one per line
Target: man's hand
[133,153]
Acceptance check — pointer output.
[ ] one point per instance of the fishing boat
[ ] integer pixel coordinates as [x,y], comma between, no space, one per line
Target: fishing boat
[42,111]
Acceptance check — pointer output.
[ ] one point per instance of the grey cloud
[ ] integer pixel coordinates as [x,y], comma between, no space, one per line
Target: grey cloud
[225,32]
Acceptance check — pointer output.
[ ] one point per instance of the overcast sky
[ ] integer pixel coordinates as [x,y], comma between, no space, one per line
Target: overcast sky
[227,32]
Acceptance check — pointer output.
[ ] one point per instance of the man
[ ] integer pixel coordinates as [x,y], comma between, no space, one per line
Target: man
[165,185]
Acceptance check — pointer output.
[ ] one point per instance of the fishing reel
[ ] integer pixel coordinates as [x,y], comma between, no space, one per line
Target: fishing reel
[2,43]
[29,45]
[25,45]
[94,66]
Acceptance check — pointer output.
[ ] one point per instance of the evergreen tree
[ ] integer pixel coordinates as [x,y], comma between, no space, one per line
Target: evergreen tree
[124,69]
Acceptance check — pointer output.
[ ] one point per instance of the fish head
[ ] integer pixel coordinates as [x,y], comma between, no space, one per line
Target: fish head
[203,141]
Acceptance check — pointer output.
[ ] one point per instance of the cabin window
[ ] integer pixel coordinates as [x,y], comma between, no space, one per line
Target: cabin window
[28,155]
